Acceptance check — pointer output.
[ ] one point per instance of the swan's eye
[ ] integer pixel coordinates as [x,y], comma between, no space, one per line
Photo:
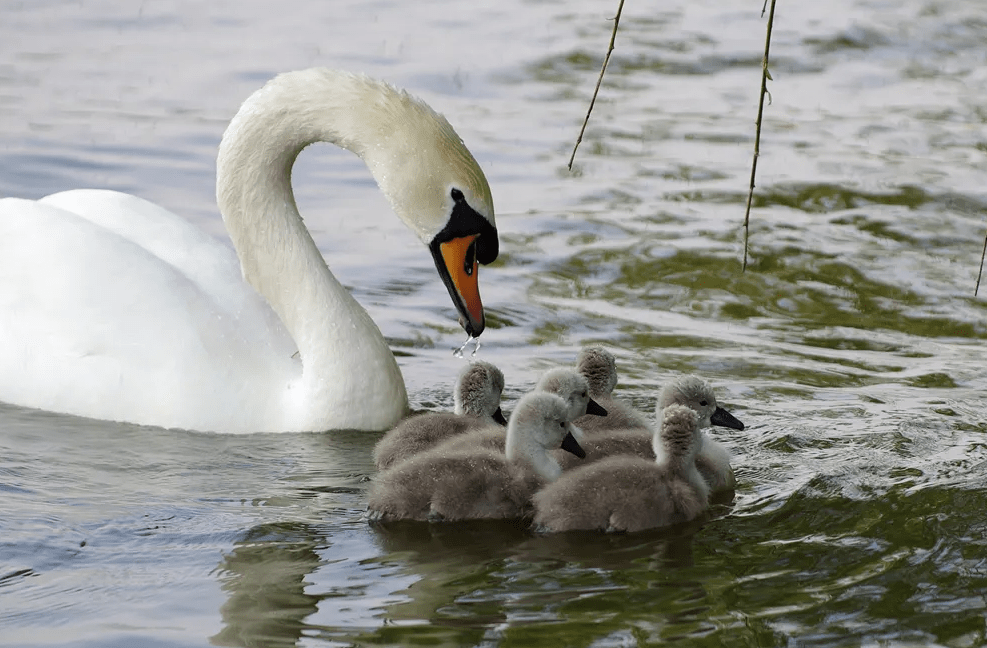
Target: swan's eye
[470,261]
[585,394]
[562,424]
[704,403]
[457,195]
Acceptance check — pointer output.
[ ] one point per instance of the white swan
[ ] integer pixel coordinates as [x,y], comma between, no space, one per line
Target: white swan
[625,493]
[477,405]
[477,482]
[113,308]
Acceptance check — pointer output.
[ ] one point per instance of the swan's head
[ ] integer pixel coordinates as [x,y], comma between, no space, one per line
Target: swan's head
[434,185]
[573,389]
[599,367]
[540,421]
[419,162]
[696,394]
[468,238]
[478,391]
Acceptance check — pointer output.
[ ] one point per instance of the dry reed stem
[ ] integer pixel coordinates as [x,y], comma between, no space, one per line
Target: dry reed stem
[606,60]
[981,273]
[757,136]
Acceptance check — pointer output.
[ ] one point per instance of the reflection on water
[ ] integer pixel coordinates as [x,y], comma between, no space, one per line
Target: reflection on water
[265,578]
[852,346]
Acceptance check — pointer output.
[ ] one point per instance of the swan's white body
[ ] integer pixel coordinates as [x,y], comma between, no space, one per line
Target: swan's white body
[114,308]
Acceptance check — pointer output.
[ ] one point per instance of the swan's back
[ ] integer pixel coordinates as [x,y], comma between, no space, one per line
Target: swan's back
[204,260]
[91,303]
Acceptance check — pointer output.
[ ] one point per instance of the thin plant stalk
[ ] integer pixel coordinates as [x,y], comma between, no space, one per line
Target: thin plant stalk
[757,136]
[596,91]
[981,273]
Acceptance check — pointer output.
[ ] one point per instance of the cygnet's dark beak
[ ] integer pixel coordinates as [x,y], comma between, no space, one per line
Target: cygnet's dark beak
[594,408]
[499,417]
[724,418]
[569,444]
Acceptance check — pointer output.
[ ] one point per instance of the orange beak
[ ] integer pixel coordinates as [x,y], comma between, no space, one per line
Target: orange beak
[459,270]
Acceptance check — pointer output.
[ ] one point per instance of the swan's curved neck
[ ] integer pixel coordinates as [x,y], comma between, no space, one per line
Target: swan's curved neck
[277,254]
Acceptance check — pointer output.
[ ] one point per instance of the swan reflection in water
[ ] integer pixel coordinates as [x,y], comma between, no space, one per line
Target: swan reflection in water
[264,577]
[284,581]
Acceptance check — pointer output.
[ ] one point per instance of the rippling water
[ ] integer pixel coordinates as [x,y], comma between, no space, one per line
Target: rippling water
[853,346]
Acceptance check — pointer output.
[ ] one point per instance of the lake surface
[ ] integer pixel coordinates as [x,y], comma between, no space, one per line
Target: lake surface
[853,346]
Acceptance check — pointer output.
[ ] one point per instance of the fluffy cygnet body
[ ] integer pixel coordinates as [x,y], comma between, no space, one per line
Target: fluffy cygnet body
[477,405]
[625,493]
[479,483]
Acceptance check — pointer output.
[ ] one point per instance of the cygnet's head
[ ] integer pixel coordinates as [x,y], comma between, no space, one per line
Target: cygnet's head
[478,391]
[542,418]
[573,389]
[696,394]
[599,368]
[679,432]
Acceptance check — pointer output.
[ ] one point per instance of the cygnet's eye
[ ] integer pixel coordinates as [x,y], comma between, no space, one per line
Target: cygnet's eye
[562,424]
[704,403]
[585,394]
